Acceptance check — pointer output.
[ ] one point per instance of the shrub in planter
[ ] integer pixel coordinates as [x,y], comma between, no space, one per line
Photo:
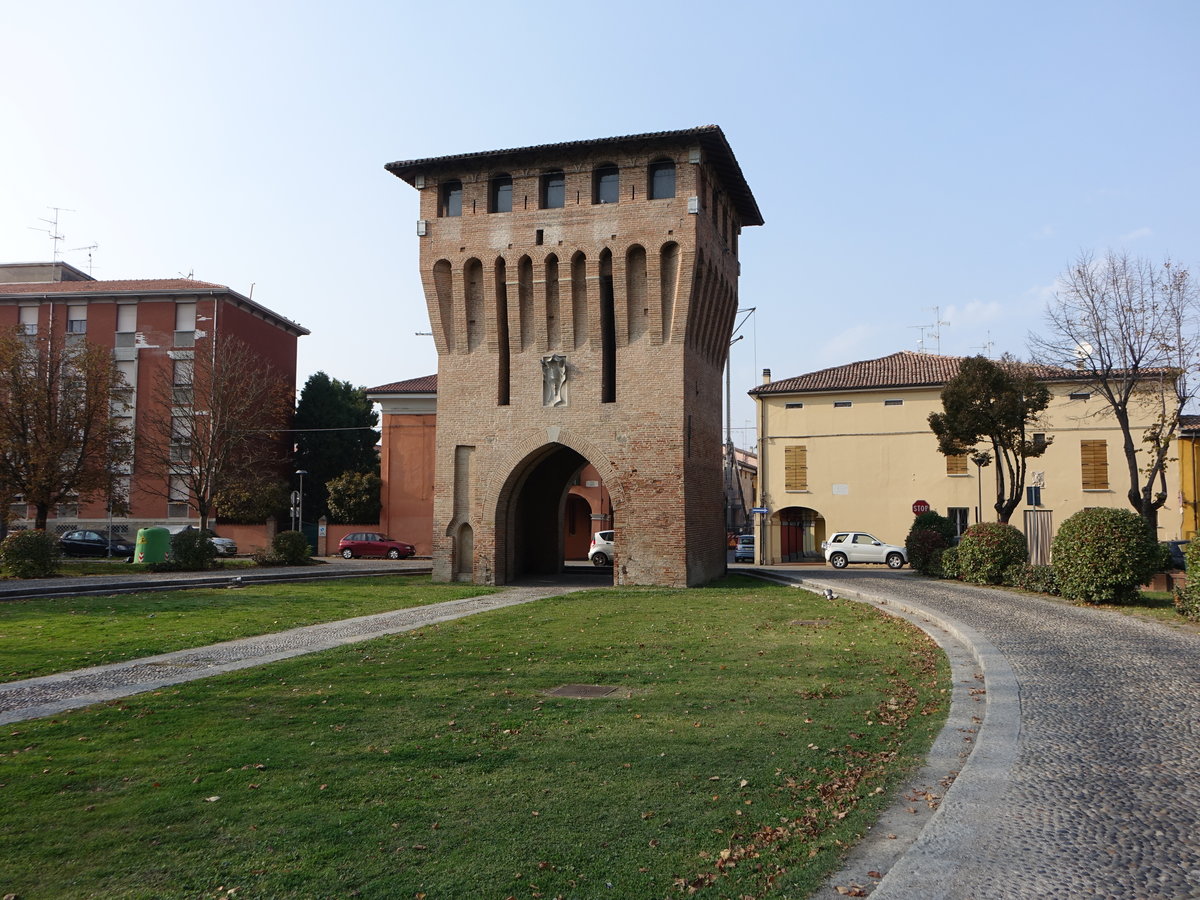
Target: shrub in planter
[924,548]
[1187,598]
[987,550]
[30,554]
[1102,555]
[948,563]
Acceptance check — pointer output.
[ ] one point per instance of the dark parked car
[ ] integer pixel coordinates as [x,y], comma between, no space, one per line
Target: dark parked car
[93,543]
[370,543]
[1176,549]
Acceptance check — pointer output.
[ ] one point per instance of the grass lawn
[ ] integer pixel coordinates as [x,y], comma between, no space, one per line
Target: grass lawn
[755,730]
[44,636]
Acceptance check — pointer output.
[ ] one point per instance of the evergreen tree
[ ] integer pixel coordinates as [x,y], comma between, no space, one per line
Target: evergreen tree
[996,403]
[335,433]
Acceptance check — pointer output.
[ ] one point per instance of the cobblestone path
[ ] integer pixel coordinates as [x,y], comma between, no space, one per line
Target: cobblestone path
[1103,793]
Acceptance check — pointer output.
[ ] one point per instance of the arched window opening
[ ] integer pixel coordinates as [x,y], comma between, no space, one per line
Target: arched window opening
[500,193]
[606,184]
[450,198]
[554,190]
[662,180]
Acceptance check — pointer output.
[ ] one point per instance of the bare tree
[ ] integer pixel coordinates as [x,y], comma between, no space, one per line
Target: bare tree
[1129,328]
[59,439]
[218,421]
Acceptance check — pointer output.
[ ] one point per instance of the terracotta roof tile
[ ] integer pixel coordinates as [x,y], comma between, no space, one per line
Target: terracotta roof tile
[426,384]
[133,286]
[904,369]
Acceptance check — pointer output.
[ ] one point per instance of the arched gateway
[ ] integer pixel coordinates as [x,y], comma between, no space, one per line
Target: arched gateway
[581,297]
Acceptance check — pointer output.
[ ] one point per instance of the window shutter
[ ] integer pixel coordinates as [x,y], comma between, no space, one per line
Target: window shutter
[1094,458]
[956,465]
[795,460]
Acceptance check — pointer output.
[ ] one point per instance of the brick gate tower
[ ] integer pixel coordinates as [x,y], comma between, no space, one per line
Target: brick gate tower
[582,297]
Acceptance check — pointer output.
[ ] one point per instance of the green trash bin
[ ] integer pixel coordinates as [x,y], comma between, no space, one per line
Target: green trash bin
[152,546]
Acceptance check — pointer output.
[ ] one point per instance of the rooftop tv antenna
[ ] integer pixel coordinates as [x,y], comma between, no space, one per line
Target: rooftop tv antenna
[936,328]
[988,346]
[89,248]
[55,237]
[921,339]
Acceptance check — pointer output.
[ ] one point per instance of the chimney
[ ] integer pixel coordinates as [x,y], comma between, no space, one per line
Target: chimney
[766,376]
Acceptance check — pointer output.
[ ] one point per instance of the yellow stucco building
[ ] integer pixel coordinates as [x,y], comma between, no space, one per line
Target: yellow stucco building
[849,448]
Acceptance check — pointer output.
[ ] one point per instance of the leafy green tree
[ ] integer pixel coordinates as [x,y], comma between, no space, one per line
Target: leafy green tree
[998,404]
[1131,330]
[335,433]
[59,439]
[253,500]
[354,498]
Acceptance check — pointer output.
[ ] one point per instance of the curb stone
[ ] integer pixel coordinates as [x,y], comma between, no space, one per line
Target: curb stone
[974,758]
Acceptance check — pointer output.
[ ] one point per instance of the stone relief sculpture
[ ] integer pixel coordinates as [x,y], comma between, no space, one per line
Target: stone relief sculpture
[554,380]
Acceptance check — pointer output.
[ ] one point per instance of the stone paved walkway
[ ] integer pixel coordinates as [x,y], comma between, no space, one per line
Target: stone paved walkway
[1098,792]
[35,697]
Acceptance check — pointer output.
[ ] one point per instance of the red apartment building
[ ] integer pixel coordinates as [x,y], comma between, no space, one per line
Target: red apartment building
[150,325]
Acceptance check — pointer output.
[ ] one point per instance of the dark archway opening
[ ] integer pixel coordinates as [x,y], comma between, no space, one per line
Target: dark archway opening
[533,527]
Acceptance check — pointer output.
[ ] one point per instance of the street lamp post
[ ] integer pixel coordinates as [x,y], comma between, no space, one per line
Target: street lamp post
[300,505]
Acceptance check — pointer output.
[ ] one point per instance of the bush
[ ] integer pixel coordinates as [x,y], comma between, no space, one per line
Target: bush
[987,550]
[931,521]
[1102,555]
[192,551]
[948,563]
[290,548]
[924,548]
[1187,598]
[1040,579]
[30,554]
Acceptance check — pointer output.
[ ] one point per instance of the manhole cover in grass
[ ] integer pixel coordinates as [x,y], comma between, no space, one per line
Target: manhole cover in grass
[582,691]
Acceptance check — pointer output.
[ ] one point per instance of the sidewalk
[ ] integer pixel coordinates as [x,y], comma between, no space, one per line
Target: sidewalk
[120,582]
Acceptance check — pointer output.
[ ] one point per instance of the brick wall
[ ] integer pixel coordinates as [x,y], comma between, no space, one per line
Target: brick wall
[640,297]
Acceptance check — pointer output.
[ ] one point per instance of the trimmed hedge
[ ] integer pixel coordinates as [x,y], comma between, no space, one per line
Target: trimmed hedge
[924,548]
[1187,598]
[30,554]
[987,550]
[289,548]
[948,562]
[1103,555]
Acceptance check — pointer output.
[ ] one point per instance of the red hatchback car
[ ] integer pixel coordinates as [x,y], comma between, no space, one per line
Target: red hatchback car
[371,543]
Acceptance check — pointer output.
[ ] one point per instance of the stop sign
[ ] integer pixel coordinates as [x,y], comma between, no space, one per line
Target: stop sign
[920,506]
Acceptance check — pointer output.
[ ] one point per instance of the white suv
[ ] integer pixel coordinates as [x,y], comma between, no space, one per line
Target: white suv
[859,547]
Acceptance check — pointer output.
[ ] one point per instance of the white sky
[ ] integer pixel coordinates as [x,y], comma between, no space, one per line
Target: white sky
[912,160]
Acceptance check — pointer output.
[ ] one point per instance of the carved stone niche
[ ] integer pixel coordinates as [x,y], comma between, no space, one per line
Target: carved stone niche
[554,380]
